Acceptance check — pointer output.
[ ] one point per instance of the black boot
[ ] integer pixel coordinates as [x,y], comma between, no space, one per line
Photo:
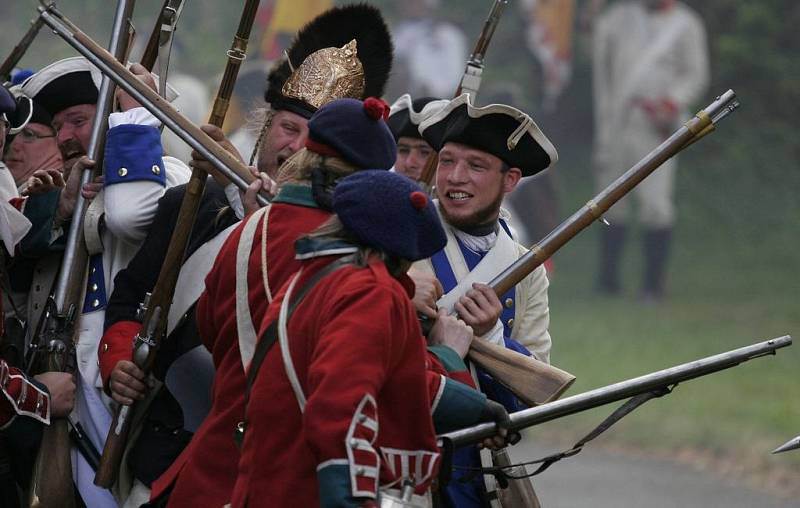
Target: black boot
[656,253]
[612,241]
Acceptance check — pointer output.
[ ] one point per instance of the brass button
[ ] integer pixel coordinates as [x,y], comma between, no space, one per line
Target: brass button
[96,303]
[509,303]
[156,170]
[105,347]
[94,270]
[122,171]
[94,287]
[510,322]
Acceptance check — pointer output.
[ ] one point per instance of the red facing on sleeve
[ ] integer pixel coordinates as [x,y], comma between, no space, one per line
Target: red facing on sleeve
[115,346]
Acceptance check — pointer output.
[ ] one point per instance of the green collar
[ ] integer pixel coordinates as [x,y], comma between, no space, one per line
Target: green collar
[307,248]
[295,194]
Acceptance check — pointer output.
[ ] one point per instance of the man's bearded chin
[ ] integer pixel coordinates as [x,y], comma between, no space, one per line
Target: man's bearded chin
[71,151]
[478,220]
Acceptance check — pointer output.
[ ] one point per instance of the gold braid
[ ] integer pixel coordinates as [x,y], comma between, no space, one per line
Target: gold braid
[268,114]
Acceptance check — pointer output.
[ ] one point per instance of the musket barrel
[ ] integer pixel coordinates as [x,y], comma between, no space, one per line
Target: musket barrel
[621,390]
[158,303]
[594,209]
[64,284]
[19,50]
[489,26]
[222,161]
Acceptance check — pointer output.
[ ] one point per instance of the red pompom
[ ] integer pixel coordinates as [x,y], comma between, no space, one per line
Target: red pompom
[418,200]
[376,108]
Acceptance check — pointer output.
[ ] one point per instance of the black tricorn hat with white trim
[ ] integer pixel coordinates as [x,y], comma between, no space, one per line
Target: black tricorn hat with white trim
[503,131]
[405,115]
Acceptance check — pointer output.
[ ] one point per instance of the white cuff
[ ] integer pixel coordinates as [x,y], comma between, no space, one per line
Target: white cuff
[495,335]
[135,116]
[235,199]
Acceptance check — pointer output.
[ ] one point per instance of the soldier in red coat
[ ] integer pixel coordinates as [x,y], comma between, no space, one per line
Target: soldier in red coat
[206,469]
[339,406]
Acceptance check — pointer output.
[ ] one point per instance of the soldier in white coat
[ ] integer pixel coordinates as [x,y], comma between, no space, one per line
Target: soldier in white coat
[650,66]
[483,155]
[135,176]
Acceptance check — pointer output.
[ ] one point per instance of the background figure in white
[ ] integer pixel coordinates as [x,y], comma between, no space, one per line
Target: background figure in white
[650,66]
[194,103]
[430,54]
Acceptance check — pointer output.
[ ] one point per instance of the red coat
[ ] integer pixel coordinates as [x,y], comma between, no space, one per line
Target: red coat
[360,359]
[20,397]
[205,472]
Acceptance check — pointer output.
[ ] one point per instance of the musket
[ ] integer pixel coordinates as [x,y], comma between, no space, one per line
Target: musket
[166,16]
[20,49]
[703,123]
[51,483]
[155,309]
[544,383]
[225,166]
[792,444]
[470,81]
[654,381]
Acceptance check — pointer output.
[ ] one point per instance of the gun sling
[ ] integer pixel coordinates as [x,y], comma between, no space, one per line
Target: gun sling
[501,473]
[271,335]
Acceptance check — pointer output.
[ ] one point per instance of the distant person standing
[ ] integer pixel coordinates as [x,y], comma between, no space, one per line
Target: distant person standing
[429,53]
[650,65]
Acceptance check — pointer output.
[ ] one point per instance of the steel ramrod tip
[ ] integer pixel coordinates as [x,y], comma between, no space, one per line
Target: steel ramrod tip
[792,444]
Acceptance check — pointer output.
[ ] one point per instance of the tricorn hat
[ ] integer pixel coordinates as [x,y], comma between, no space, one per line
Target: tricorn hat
[390,212]
[69,82]
[344,52]
[503,131]
[64,84]
[28,111]
[7,102]
[406,115]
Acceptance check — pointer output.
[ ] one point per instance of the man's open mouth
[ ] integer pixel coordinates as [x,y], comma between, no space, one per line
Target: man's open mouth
[458,195]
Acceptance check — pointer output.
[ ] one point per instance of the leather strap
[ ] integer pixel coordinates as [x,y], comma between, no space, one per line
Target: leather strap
[503,474]
[271,334]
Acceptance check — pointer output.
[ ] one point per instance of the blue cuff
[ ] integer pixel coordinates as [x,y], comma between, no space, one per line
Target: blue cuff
[334,487]
[133,153]
[516,346]
[459,406]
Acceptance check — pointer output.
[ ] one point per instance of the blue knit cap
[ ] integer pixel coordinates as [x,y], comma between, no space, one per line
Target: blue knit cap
[388,211]
[355,131]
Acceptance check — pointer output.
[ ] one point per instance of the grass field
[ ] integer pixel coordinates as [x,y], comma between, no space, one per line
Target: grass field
[733,281]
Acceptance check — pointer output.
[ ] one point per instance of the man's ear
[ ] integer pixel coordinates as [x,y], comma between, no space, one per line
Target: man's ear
[510,179]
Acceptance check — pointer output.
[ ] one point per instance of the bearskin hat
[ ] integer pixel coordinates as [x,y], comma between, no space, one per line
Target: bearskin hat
[334,29]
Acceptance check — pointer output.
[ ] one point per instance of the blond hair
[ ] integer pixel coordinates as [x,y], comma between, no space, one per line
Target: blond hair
[298,167]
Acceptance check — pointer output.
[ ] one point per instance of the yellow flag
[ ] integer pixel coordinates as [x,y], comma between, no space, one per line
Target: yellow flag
[286,17]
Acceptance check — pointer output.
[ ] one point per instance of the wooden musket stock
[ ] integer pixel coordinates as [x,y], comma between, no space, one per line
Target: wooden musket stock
[51,483]
[156,309]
